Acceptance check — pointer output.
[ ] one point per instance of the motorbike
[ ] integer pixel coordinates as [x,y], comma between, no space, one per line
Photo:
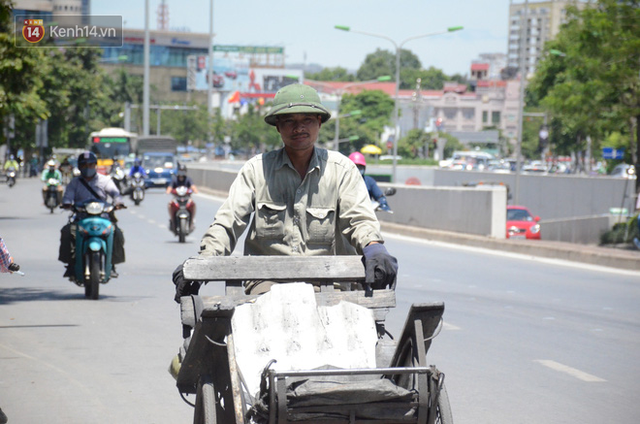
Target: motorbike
[136,188]
[119,177]
[376,206]
[182,210]
[52,198]
[94,246]
[11,177]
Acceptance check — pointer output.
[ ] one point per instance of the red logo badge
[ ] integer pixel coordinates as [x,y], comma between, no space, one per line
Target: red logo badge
[33,30]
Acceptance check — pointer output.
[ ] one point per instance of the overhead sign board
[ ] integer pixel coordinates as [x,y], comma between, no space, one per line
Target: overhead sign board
[611,153]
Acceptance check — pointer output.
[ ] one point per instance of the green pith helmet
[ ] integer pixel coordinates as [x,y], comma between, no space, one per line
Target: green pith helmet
[296,98]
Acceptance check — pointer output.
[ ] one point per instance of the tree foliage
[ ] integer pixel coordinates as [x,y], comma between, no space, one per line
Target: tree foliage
[331,74]
[592,86]
[376,108]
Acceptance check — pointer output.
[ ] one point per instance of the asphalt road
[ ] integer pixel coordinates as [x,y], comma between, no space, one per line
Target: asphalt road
[525,340]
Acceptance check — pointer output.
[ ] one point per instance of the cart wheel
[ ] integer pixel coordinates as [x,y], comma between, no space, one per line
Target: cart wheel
[205,412]
[443,413]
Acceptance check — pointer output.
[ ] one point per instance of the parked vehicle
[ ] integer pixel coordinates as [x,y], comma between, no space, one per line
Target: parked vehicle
[181,210]
[94,246]
[11,177]
[522,224]
[53,197]
[137,187]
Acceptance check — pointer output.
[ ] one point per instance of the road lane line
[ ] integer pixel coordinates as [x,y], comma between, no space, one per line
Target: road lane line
[581,375]
[447,326]
[522,256]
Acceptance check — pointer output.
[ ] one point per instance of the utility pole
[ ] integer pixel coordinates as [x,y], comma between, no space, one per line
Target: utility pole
[145,86]
[210,76]
[523,78]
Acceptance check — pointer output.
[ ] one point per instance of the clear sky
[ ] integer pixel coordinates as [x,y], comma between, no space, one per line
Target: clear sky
[306,29]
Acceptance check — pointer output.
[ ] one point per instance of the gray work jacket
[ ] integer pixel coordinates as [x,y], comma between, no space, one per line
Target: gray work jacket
[294,216]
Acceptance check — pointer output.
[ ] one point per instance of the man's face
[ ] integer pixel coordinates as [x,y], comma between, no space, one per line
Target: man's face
[88,170]
[299,131]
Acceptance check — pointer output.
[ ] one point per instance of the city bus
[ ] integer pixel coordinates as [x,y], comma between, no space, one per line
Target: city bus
[110,143]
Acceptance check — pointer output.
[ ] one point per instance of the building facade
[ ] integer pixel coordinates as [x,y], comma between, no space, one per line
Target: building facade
[532,24]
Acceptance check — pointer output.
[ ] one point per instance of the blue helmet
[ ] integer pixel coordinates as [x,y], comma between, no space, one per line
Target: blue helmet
[86,158]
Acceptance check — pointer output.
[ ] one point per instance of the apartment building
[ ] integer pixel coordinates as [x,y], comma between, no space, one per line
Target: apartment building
[531,24]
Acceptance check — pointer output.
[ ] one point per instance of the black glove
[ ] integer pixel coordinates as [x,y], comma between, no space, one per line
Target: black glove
[184,287]
[13,267]
[384,205]
[380,267]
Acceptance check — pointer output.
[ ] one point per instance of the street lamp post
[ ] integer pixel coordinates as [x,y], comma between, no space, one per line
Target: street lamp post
[398,48]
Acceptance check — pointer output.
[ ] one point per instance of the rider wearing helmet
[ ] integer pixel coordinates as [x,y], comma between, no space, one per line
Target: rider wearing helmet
[372,186]
[11,163]
[182,179]
[51,172]
[295,200]
[89,185]
[137,167]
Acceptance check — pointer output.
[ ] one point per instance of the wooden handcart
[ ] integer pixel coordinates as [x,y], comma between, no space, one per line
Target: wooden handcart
[400,388]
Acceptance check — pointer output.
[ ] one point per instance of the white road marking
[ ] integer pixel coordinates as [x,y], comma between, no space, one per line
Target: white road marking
[580,375]
[512,255]
[447,326]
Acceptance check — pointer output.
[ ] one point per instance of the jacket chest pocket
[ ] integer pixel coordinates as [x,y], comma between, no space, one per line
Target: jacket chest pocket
[321,225]
[270,220]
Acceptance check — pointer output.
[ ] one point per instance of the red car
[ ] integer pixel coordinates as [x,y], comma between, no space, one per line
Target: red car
[522,224]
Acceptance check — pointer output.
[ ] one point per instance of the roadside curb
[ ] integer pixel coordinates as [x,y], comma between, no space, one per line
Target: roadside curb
[590,254]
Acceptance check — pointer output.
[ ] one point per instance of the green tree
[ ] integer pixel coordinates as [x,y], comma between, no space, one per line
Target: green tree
[187,126]
[430,79]
[76,97]
[591,85]
[21,78]
[383,62]
[376,108]
[331,74]
[251,133]
[415,144]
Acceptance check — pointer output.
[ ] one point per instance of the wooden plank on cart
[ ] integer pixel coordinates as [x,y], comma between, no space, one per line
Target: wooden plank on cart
[277,268]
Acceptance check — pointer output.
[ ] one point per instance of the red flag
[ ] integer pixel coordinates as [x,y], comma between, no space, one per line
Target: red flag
[235,97]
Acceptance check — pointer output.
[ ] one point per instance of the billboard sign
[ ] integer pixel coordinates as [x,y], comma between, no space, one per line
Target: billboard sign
[229,76]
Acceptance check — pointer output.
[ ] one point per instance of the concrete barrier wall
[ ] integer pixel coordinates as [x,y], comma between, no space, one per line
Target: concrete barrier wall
[583,230]
[480,211]
[549,196]
[571,207]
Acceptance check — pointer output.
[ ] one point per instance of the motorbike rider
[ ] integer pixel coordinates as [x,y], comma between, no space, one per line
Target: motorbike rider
[372,186]
[296,199]
[137,167]
[11,163]
[51,172]
[66,169]
[182,180]
[89,185]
